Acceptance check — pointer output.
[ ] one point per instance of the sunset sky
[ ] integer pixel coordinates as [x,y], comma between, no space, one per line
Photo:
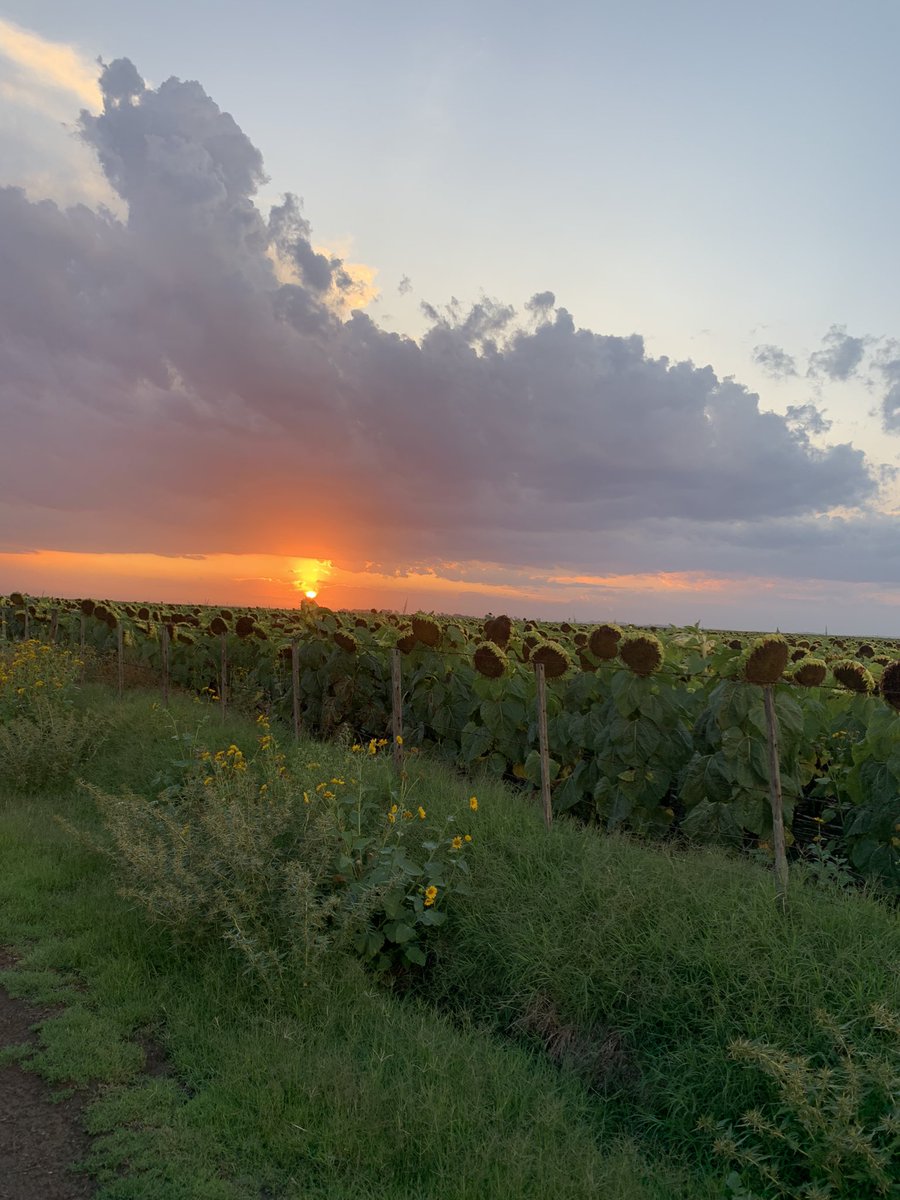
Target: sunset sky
[582,310]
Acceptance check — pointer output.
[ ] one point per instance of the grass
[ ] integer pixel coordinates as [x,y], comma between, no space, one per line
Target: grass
[572,1028]
[339,1090]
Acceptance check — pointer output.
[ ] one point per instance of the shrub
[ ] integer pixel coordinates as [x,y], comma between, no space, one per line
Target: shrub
[833,1129]
[285,869]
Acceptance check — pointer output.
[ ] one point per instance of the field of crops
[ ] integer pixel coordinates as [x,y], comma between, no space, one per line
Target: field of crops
[658,732]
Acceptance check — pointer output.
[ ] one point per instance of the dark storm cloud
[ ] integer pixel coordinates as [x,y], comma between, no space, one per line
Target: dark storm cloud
[162,389]
[774,361]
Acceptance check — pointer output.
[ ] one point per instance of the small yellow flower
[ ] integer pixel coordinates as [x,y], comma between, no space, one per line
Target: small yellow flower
[306,797]
[456,844]
[328,795]
[473,803]
[207,781]
[421,813]
[430,896]
[399,740]
[392,817]
[355,748]
[467,838]
[407,815]
[263,787]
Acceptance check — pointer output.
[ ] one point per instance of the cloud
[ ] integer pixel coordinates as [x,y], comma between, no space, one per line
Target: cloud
[405,285]
[42,83]
[776,362]
[33,65]
[807,418]
[841,357]
[181,380]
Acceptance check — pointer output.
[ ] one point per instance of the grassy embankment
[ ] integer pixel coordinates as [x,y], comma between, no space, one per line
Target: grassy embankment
[633,966]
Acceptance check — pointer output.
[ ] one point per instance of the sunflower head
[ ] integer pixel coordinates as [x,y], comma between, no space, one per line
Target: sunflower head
[809,672]
[765,659]
[218,626]
[407,642]
[604,641]
[426,630]
[865,651]
[853,676]
[642,653]
[244,626]
[490,660]
[498,630]
[346,641]
[553,657]
[890,684]
[17,600]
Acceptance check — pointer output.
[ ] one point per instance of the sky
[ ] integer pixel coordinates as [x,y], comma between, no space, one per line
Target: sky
[582,311]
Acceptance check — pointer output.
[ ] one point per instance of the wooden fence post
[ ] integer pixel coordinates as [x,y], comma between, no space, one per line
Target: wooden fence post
[27,618]
[164,646]
[397,709]
[295,687]
[54,623]
[223,685]
[544,743]
[120,646]
[778,843]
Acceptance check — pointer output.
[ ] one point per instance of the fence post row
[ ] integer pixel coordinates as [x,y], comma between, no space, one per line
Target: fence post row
[776,799]
[397,709]
[544,743]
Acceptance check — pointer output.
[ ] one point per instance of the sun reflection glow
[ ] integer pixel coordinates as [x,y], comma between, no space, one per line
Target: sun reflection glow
[309,573]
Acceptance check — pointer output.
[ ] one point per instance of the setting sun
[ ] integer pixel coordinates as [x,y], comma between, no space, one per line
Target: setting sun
[310,595]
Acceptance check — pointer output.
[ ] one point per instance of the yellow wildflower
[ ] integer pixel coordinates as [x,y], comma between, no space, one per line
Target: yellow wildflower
[473,803]
[306,797]
[430,896]
[456,844]
[421,813]
[399,740]
[467,838]
[407,815]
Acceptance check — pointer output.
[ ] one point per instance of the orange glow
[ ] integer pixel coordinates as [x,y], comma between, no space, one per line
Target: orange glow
[282,581]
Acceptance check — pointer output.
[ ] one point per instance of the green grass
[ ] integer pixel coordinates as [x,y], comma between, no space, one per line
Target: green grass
[677,951]
[340,1090]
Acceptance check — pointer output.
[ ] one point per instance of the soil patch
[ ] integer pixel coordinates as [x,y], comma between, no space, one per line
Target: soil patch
[39,1139]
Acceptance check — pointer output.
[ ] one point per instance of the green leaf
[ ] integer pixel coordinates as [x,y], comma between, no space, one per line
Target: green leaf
[416,955]
[399,932]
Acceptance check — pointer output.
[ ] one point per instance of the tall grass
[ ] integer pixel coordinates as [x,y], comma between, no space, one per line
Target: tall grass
[336,1091]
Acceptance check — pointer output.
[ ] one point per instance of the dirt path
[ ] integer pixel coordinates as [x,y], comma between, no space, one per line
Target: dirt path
[39,1140]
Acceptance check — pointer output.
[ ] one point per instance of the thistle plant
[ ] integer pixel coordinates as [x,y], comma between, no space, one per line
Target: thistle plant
[832,1130]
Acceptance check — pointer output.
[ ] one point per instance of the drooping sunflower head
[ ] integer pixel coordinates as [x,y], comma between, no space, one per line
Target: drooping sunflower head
[604,641]
[218,626]
[426,630]
[853,676]
[17,600]
[346,641]
[244,626]
[890,684]
[553,658]
[489,660]
[498,630]
[642,653]
[765,659]
[407,642]
[809,672]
